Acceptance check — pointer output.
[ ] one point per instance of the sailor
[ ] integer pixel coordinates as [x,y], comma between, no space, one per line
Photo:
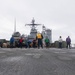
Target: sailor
[39,37]
[68,42]
[12,42]
[47,42]
[60,42]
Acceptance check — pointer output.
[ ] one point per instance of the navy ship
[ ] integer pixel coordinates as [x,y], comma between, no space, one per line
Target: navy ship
[45,31]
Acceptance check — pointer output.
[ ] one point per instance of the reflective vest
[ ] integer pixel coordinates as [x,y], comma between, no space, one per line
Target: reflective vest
[39,36]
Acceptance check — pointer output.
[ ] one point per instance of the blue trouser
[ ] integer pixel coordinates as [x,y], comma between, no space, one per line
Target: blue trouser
[47,44]
[11,45]
[60,44]
[68,44]
[20,45]
[40,43]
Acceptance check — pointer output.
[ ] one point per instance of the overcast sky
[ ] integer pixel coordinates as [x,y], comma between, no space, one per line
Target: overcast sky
[58,15]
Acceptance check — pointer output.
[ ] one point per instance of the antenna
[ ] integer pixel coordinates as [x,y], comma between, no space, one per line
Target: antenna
[15,25]
[33,24]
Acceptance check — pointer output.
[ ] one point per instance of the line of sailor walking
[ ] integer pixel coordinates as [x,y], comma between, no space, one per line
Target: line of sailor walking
[68,42]
[36,42]
[28,43]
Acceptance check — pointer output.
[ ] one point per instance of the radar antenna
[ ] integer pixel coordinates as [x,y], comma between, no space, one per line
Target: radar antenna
[33,24]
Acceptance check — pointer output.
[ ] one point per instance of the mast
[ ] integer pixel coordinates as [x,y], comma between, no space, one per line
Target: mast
[33,24]
[33,31]
[15,25]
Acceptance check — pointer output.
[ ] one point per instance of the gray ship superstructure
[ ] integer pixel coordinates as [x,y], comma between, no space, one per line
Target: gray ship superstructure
[33,31]
[47,33]
[16,34]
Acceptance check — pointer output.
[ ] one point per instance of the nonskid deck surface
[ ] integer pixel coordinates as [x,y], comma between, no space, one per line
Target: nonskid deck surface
[34,61]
